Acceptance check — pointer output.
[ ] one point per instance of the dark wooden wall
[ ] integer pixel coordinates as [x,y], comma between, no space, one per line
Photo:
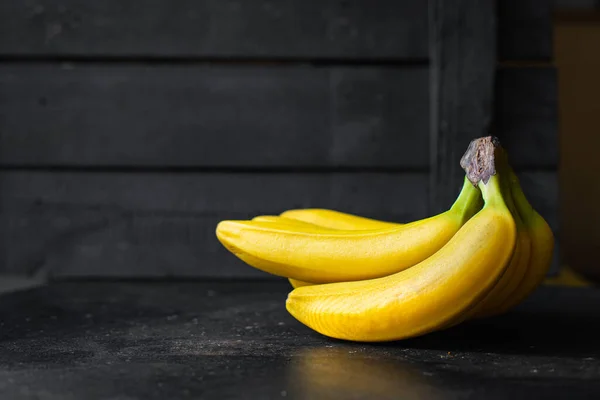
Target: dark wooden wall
[127,132]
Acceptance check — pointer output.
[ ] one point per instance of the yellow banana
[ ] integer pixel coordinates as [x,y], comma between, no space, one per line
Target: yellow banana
[542,246]
[324,219]
[283,220]
[336,219]
[521,257]
[425,297]
[530,262]
[322,255]
[276,219]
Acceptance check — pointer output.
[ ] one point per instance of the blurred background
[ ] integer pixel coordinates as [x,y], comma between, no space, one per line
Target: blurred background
[577,58]
[128,129]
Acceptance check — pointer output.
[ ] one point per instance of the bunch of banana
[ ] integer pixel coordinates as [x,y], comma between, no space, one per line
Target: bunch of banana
[361,279]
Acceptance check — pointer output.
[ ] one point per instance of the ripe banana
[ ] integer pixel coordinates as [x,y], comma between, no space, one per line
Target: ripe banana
[323,218]
[519,262]
[530,262]
[425,297]
[322,255]
[336,219]
[542,246]
[276,219]
[521,257]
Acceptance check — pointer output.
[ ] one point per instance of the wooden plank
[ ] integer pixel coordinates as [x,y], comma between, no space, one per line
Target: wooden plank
[525,29]
[526,116]
[198,115]
[463,55]
[162,224]
[113,115]
[215,28]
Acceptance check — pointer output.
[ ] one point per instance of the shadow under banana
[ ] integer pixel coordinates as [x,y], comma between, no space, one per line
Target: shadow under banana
[346,373]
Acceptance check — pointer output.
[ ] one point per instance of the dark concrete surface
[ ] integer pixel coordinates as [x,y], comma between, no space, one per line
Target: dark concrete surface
[230,340]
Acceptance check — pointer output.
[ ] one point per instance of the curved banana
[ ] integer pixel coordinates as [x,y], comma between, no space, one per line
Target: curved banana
[283,221]
[542,246]
[276,219]
[521,257]
[513,275]
[423,298]
[530,263]
[321,218]
[322,255]
[336,219]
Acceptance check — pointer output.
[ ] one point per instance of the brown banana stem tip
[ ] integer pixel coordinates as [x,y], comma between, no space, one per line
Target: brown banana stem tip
[479,161]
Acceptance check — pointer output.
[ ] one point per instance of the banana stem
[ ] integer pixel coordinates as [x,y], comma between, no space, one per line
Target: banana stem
[469,201]
[479,161]
[480,165]
[492,191]
[526,209]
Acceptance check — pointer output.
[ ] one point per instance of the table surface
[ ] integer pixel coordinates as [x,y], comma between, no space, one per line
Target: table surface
[221,340]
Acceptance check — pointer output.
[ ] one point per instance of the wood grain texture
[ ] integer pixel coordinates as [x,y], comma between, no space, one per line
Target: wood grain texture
[198,116]
[161,225]
[195,115]
[215,28]
[327,29]
[463,54]
[525,30]
[526,116]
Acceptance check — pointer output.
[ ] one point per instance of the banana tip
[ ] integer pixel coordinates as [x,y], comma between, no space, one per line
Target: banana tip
[227,233]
